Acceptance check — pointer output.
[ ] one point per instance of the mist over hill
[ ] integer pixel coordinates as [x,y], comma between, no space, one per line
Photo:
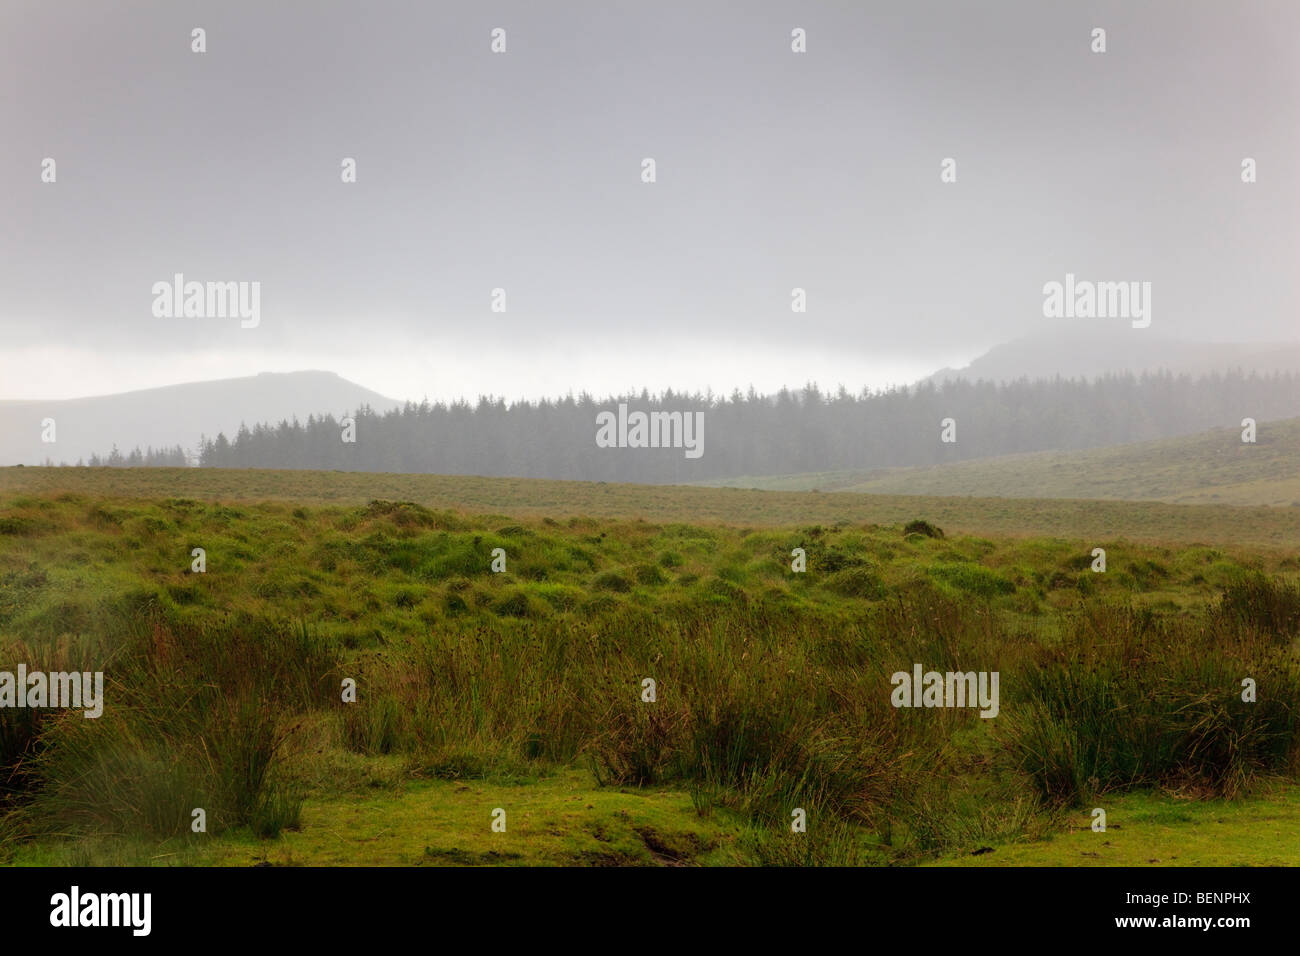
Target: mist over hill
[1042,393]
[1078,351]
[163,418]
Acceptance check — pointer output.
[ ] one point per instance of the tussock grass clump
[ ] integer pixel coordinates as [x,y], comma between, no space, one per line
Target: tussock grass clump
[858,582]
[1259,603]
[193,718]
[973,579]
[612,581]
[22,728]
[828,842]
[1132,700]
[922,527]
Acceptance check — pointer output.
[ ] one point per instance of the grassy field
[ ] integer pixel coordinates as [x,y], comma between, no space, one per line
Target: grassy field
[523,689]
[1079,520]
[1211,468]
[1161,829]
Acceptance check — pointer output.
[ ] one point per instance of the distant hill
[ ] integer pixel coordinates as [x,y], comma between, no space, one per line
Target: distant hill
[172,415]
[1081,352]
[1212,467]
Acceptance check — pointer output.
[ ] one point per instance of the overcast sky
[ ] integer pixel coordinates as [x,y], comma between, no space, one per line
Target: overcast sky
[522,171]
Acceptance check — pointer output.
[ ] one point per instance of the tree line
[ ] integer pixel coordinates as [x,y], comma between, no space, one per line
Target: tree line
[751,434]
[174,457]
